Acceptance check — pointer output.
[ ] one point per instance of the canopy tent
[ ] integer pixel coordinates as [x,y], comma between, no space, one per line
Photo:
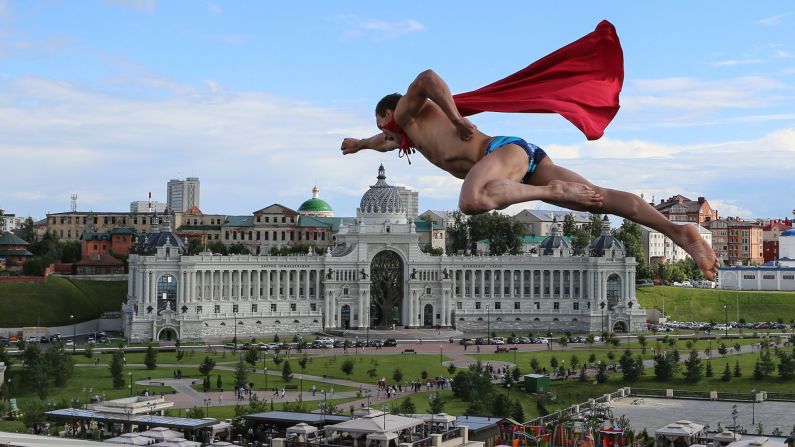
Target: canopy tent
[162,434]
[131,439]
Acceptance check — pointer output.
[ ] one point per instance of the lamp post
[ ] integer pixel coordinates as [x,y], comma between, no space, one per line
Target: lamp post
[74,332]
[509,390]
[488,324]
[726,311]
[629,322]
[266,378]
[440,355]
[131,382]
[234,314]
[323,410]
[207,401]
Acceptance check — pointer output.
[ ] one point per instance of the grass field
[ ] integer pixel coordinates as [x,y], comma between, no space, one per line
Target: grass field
[686,304]
[50,303]
[410,365]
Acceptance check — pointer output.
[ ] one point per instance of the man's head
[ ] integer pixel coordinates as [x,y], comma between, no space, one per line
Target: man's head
[385,111]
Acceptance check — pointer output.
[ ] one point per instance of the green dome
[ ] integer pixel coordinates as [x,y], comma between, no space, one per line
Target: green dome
[315,205]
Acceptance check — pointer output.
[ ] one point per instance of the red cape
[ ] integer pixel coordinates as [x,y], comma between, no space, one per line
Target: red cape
[580,81]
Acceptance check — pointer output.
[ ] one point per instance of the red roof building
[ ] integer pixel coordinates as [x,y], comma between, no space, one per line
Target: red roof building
[770,234]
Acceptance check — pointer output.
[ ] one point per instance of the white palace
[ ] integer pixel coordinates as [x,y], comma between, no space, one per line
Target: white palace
[376,276]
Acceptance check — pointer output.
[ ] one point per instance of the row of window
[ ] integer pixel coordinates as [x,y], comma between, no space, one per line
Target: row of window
[517,305]
[274,308]
[274,235]
[267,219]
[784,277]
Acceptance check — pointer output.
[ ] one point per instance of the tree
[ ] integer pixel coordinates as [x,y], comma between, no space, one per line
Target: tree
[397,375]
[709,372]
[436,404]
[601,372]
[727,374]
[219,384]
[631,236]
[458,233]
[60,365]
[287,372]
[631,367]
[33,413]
[241,374]
[347,367]
[535,365]
[564,341]
[664,367]
[252,355]
[517,414]
[302,362]
[407,406]
[786,366]
[722,349]
[150,359]
[501,406]
[693,368]
[70,251]
[759,373]
[28,231]
[768,365]
[117,369]
[737,371]
[503,233]
[643,343]
[207,365]
[35,370]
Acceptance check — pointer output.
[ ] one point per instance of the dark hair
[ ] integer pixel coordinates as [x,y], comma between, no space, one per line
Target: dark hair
[388,102]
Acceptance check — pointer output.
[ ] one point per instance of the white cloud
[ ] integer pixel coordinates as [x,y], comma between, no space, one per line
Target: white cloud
[731,62]
[773,20]
[729,208]
[378,30]
[213,8]
[782,54]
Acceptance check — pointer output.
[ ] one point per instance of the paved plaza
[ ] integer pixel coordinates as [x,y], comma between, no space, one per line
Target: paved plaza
[654,413]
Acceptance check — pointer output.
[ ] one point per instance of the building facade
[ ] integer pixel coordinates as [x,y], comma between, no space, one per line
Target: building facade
[183,194]
[540,222]
[681,209]
[770,234]
[146,206]
[376,275]
[71,225]
[659,248]
[736,242]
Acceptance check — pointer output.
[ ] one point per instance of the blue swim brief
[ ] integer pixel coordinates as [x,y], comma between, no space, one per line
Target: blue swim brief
[534,153]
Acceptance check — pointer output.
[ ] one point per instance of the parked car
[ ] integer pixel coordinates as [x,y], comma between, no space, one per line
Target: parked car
[466,341]
[390,342]
[498,340]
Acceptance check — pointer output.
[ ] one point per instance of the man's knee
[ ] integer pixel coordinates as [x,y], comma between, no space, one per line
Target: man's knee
[473,204]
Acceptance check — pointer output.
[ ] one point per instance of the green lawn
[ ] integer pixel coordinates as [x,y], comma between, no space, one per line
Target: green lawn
[457,407]
[50,303]
[410,365]
[686,304]
[228,378]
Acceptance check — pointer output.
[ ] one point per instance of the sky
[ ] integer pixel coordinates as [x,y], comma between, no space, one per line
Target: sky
[111,99]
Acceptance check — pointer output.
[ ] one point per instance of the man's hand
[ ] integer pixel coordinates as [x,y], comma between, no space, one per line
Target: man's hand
[351,146]
[466,130]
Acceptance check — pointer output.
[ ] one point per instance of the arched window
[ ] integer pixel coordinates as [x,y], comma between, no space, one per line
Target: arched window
[613,290]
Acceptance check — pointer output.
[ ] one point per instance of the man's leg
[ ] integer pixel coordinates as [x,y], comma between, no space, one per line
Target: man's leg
[632,207]
[494,183]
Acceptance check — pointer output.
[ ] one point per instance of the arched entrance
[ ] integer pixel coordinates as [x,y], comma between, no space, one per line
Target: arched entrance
[620,326]
[345,317]
[386,289]
[168,334]
[427,315]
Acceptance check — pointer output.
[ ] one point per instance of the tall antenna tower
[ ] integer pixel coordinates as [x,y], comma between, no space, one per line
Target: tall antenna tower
[74,202]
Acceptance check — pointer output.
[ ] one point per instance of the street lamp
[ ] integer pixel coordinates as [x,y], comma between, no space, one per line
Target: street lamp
[131,382]
[74,332]
[207,401]
[266,378]
[629,322]
[488,324]
[440,355]
[509,390]
[234,314]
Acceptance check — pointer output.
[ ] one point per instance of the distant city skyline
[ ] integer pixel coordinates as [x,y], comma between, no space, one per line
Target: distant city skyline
[112,99]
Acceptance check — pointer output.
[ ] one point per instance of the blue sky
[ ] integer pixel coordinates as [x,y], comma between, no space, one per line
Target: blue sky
[111,99]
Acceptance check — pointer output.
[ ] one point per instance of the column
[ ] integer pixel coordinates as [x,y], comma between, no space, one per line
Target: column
[513,283]
[541,283]
[257,284]
[139,285]
[318,274]
[521,283]
[211,295]
[153,289]
[130,283]
[482,284]
[472,283]
[240,284]
[306,283]
[145,289]
[277,283]
[298,284]
[532,283]
[502,282]
[462,287]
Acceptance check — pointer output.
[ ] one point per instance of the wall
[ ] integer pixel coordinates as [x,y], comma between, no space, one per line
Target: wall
[85,327]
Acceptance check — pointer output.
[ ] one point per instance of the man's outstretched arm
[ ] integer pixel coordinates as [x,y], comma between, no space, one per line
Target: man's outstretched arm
[377,142]
[429,85]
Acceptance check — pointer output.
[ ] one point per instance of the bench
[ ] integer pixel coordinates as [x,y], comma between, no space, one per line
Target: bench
[409,351]
[290,387]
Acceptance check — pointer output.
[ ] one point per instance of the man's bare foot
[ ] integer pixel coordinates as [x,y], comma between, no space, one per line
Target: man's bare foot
[691,241]
[577,195]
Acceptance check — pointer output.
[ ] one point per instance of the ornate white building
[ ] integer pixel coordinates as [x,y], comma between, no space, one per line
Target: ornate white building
[377,276]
